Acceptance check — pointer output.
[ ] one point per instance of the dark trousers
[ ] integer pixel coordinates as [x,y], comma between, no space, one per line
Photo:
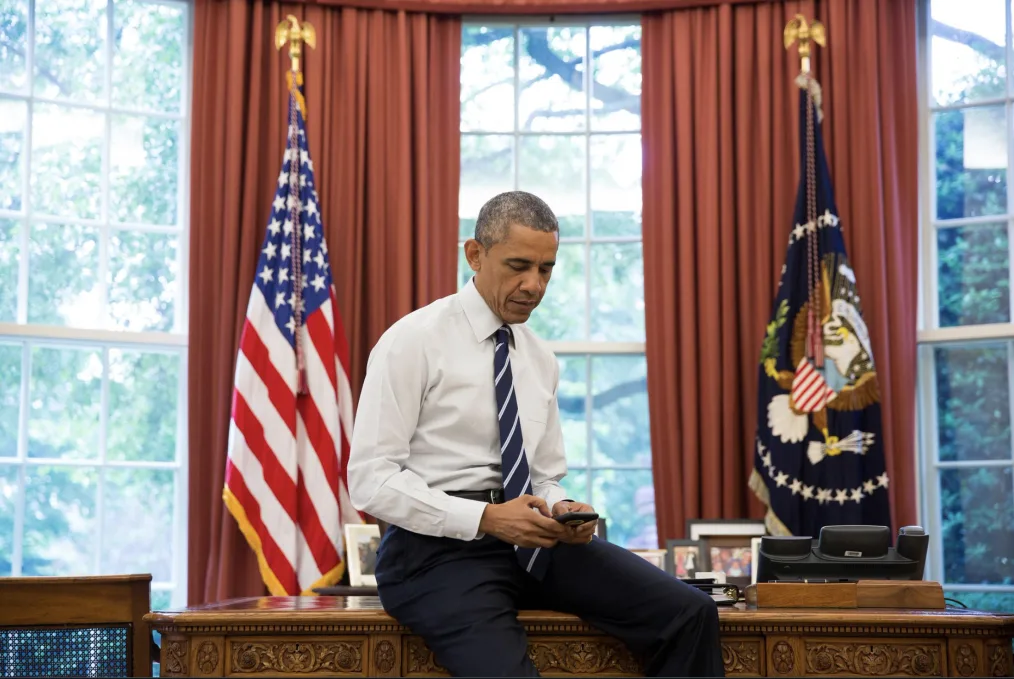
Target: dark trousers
[463,598]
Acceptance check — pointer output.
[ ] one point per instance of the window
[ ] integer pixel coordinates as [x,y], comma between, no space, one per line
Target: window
[535,118]
[93,160]
[966,339]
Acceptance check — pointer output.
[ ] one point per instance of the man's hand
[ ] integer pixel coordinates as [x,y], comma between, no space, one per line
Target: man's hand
[576,535]
[524,521]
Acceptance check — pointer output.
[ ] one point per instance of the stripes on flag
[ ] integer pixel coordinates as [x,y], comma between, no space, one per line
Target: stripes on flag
[285,479]
[810,391]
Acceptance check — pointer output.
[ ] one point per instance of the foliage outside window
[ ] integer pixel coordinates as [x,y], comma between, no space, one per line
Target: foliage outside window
[93,125]
[966,348]
[535,117]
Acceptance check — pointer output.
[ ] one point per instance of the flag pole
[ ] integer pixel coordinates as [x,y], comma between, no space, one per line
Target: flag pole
[806,33]
[295,34]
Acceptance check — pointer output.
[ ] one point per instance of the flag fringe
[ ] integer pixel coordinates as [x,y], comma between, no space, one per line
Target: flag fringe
[270,579]
[774,525]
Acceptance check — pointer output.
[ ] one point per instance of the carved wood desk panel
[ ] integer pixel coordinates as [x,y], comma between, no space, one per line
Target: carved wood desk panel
[353,636]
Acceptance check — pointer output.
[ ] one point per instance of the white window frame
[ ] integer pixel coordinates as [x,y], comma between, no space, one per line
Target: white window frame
[28,336]
[586,349]
[930,335]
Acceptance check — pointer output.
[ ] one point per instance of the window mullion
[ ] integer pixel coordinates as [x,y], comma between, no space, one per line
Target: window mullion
[17,557]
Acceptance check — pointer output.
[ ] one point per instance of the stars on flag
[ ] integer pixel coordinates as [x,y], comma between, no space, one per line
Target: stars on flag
[294,210]
[821,495]
[826,220]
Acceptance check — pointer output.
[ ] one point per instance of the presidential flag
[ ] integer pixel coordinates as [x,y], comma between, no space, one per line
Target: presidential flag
[285,479]
[819,457]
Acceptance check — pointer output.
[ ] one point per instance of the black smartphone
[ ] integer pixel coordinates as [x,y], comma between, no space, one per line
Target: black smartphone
[576,518]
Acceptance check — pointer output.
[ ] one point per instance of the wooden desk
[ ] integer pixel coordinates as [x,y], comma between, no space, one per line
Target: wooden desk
[353,636]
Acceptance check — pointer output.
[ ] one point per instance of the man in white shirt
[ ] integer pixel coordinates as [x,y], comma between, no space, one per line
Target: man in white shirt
[458,446]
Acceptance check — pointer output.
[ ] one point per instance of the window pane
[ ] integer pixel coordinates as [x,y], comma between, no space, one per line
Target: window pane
[973,277]
[576,485]
[10,398]
[144,170]
[8,499]
[143,272]
[65,397]
[973,406]
[143,411]
[552,79]
[63,286]
[617,292]
[997,602]
[487,78]
[616,89]
[138,545]
[67,161]
[148,56]
[10,248]
[487,168]
[13,115]
[572,398]
[561,315]
[161,600]
[620,411]
[977,510]
[13,44]
[61,536]
[968,50]
[553,167]
[616,185]
[70,41]
[627,499]
[971,162]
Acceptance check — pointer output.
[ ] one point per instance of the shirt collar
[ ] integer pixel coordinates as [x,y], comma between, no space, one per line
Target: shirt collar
[482,319]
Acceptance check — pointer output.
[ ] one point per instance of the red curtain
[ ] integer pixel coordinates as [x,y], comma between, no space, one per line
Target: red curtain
[382,94]
[522,7]
[721,168]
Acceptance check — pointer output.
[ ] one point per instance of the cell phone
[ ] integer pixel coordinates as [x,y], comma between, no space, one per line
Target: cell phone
[576,518]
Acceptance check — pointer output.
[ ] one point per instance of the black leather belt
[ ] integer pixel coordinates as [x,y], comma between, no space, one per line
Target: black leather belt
[492,496]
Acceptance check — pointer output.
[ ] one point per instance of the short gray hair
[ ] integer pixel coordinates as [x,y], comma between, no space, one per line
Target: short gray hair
[513,207]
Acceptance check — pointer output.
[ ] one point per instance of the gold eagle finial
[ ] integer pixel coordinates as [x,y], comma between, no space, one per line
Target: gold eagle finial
[292,32]
[798,28]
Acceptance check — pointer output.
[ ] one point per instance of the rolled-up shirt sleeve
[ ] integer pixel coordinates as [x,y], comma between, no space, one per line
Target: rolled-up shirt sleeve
[549,463]
[386,419]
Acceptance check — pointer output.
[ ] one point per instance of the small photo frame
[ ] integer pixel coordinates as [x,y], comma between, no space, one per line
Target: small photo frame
[755,558]
[728,546]
[683,558]
[656,557]
[362,540]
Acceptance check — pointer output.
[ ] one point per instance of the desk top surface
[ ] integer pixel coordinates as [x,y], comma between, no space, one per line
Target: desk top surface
[337,610]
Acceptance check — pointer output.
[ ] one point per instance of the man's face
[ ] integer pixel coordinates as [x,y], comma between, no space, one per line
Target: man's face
[512,275]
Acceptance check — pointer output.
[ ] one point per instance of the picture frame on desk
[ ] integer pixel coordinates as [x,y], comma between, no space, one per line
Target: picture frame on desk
[684,558]
[656,557]
[728,546]
[362,540]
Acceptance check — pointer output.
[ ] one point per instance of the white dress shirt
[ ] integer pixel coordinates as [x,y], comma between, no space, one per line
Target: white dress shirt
[427,418]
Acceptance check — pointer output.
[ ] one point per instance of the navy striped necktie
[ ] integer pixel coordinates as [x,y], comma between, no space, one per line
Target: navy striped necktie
[517,478]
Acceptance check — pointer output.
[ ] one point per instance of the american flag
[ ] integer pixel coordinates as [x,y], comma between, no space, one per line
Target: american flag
[285,478]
